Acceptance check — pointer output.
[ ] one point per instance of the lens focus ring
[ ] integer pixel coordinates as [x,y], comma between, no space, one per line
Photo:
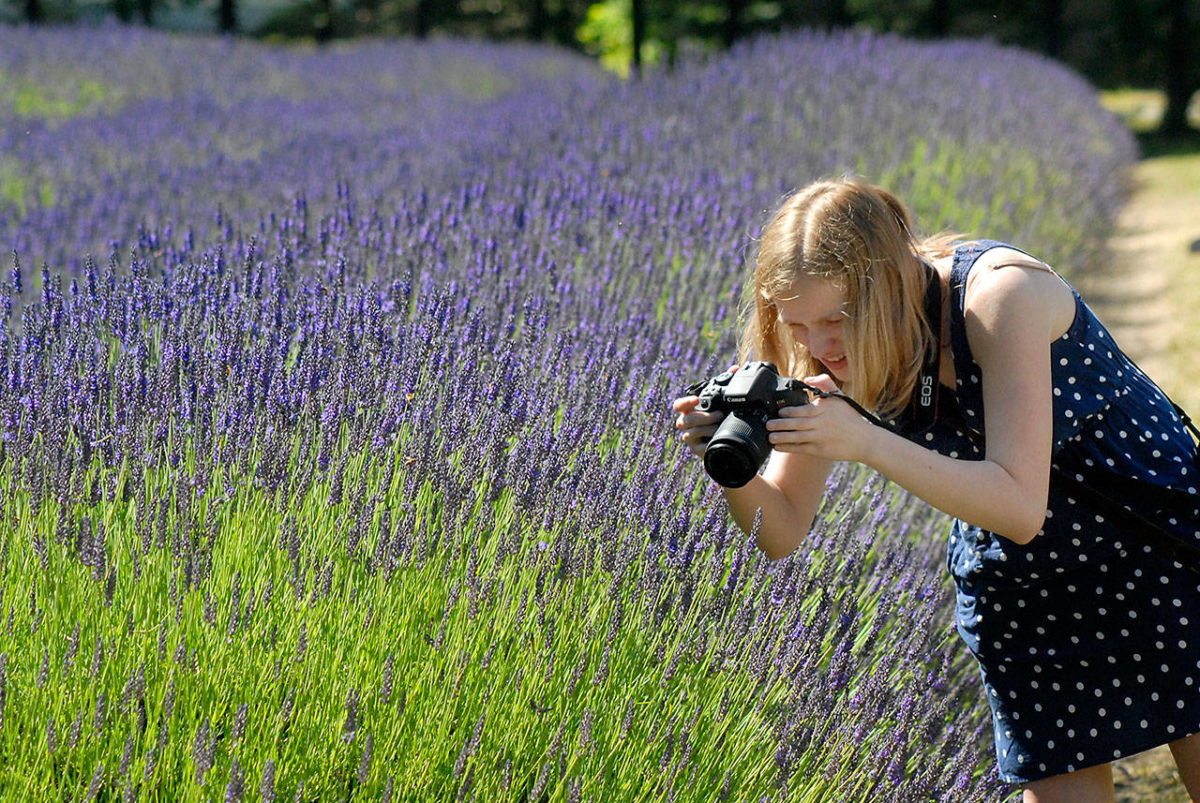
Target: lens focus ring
[737,450]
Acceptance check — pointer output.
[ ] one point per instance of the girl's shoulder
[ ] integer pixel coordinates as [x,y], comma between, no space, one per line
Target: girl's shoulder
[1005,279]
[1000,255]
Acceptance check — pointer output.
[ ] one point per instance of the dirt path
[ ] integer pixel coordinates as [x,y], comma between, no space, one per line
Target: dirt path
[1147,296]
[1147,300]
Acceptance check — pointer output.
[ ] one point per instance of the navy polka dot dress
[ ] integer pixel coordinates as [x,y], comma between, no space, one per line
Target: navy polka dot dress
[1088,641]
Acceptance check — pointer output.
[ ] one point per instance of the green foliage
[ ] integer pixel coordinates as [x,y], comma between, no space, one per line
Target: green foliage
[303,20]
[607,30]
[607,33]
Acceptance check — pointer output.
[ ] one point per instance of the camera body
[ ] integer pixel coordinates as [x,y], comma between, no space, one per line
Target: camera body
[750,397]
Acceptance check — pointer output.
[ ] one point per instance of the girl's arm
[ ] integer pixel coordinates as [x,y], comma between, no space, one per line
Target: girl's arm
[788,492]
[1012,315]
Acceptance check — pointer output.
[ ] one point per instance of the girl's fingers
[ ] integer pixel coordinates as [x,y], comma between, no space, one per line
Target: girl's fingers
[698,434]
[793,418]
[823,381]
[685,404]
[691,420]
[787,437]
[697,438]
[800,411]
[796,425]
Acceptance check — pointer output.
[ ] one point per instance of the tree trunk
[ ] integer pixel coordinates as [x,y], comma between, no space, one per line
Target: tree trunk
[33,12]
[1052,24]
[423,22]
[639,35]
[539,20]
[226,16]
[146,12]
[1180,76]
[324,22]
[735,13]
[837,15]
[563,24]
[936,22]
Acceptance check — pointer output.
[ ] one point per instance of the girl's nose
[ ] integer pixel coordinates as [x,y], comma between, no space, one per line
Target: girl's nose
[818,343]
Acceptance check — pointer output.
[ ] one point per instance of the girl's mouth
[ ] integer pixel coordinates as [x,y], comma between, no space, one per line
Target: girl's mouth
[835,364]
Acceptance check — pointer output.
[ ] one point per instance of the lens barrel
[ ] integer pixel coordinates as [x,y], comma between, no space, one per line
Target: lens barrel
[738,448]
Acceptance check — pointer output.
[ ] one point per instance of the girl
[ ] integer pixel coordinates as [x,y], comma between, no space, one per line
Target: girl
[989,370]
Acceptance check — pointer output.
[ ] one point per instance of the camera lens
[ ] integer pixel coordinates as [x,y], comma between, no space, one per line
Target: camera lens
[738,448]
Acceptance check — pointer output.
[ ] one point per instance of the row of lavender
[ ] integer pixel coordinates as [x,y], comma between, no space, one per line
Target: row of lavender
[395,298]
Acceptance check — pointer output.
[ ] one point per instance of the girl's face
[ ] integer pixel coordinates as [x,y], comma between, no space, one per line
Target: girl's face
[815,313]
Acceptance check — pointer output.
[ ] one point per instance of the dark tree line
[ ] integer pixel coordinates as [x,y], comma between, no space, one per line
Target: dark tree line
[1148,43]
[1112,42]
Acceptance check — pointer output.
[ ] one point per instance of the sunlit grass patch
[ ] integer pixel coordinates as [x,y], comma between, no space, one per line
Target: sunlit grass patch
[1173,181]
[60,99]
[1142,109]
[21,186]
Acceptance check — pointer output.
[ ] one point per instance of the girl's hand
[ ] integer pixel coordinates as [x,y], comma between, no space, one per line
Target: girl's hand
[827,428]
[695,428]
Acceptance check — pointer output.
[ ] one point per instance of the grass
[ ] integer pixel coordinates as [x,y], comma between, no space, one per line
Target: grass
[1170,182]
[1167,206]
[272,639]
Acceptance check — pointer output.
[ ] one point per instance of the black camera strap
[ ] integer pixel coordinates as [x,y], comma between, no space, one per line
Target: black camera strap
[924,405]
[825,394]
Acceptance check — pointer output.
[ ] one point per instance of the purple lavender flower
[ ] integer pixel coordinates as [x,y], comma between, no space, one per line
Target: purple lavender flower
[489,304]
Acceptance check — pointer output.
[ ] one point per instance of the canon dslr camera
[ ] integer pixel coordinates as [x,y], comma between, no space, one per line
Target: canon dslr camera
[750,397]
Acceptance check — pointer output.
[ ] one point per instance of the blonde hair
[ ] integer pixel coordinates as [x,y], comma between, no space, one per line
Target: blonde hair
[859,237]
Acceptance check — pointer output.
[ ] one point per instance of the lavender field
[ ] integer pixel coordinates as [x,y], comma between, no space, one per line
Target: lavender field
[335,451]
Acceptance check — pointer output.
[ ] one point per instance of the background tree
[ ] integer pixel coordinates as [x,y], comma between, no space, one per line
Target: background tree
[938,19]
[539,20]
[1182,79]
[125,10]
[424,17]
[734,25]
[227,16]
[1052,25]
[323,21]
[637,10]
